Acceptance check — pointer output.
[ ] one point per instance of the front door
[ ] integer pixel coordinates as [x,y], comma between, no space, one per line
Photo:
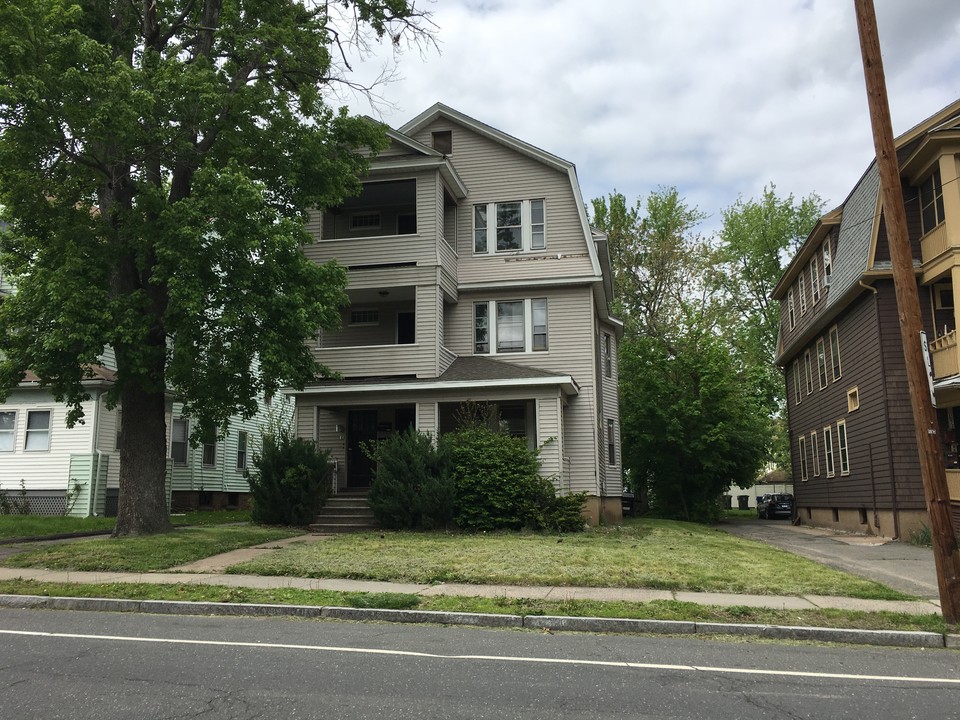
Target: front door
[361,428]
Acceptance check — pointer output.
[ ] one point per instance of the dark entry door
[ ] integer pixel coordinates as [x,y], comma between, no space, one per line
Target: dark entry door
[361,428]
[406,328]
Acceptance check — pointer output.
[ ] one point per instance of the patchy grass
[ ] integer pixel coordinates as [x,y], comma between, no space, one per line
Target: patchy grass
[643,553]
[737,514]
[657,610]
[145,554]
[13,527]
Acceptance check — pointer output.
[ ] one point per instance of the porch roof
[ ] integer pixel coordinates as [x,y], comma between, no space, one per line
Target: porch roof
[464,373]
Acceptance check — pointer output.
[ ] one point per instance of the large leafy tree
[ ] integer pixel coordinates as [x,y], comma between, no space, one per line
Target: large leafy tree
[156,162]
[757,240]
[691,421]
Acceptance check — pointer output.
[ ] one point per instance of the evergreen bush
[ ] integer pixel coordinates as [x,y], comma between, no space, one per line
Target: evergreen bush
[412,486]
[290,481]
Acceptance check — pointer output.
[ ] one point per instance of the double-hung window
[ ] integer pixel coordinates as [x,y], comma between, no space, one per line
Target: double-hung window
[815,450]
[828,450]
[808,372]
[842,445]
[802,442]
[827,261]
[822,363]
[611,443]
[802,291]
[835,352]
[210,448]
[607,355]
[814,280]
[242,450]
[510,326]
[790,309]
[38,430]
[931,202]
[797,391]
[178,441]
[8,430]
[504,227]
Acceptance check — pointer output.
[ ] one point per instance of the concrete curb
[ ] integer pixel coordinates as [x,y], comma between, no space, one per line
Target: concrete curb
[889,638]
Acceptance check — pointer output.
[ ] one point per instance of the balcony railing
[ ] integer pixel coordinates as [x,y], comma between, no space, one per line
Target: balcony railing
[934,243]
[946,360]
[375,250]
[380,360]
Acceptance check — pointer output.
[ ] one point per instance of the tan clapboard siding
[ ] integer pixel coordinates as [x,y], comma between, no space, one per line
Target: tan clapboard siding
[549,439]
[384,332]
[49,469]
[420,360]
[419,248]
[494,173]
[108,358]
[429,321]
[613,474]
[329,439]
[427,417]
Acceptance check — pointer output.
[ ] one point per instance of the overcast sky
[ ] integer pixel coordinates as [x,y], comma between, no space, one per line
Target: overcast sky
[716,97]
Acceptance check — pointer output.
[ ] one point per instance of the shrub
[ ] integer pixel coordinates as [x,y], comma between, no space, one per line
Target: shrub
[412,487]
[498,485]
[290,481]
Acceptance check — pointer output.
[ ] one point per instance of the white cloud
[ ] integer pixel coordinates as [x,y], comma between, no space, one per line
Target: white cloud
[717,98]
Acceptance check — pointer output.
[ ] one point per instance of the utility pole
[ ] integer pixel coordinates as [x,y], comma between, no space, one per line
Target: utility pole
[945,551]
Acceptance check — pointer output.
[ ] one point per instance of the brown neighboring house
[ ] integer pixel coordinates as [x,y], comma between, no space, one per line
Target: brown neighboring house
[853,450]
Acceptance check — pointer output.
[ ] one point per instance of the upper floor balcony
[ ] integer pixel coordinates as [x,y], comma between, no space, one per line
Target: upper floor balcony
[407,222]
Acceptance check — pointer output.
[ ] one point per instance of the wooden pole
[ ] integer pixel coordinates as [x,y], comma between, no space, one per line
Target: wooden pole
[945,551]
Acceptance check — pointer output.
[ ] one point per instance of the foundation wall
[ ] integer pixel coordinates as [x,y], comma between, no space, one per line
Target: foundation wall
[865,521]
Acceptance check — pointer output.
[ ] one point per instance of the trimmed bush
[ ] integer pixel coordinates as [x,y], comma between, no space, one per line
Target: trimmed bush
[290,482]
[412,487]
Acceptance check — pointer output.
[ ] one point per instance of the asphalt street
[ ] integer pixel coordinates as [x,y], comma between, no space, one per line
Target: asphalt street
[82,665]
[899,565]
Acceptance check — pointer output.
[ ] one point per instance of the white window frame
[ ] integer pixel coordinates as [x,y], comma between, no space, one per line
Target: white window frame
[835,367]
[802,290]
[843,447]
[797,388]
[364,317]
[492,341]
[186,441]
[12,432]
[607,355]
[243,445]
[213,445]
[791,313]
[815,451]
[934,201]
[814,280]
[828,451]
[827,259]
[611,442]
[808,371]
[802,444]
[822,364]
[38,431]
[533,236]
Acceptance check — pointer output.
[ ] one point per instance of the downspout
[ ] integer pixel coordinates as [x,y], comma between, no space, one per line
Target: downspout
[886,417]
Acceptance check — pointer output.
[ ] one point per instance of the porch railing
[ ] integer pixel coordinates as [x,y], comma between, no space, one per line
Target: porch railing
[946,360]
[934,243]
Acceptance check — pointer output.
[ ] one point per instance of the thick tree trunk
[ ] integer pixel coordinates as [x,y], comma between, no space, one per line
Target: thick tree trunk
[143,463]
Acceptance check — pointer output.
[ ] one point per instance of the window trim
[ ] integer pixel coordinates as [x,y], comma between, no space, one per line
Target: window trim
[814,280]
[791,313]
[853,399]
[242,435]
[797,388]
[802,446]
[815,451]
[827,259]
[607,355]
[371,313]
[533,236]
[837,368]
[204,444]
[831,467]
[843,447]
[936,201]
[38,431]
[355,217]
[186,441]
[808,371]
[822,364]
[12,431]
[802,291]
[611,442]
[491,344]
[938,292]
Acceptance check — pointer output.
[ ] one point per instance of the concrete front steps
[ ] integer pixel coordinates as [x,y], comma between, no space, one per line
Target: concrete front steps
[347,511]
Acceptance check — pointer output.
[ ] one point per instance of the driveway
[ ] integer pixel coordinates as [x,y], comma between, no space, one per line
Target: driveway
[898,565]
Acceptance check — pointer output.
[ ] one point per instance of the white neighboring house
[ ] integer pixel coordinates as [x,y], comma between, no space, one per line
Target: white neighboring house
[77,470]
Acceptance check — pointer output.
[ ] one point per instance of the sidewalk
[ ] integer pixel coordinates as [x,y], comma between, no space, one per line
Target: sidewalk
[210,571]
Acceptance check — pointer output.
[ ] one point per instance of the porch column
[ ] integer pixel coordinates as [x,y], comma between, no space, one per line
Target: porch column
[550,427]
[428,418]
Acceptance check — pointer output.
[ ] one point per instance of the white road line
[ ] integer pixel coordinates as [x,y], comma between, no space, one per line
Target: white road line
[497,658]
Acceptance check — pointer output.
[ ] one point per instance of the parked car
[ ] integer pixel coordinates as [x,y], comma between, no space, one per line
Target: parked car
[773,505]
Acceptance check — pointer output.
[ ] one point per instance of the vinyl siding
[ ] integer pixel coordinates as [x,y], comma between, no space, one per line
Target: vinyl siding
[495,173]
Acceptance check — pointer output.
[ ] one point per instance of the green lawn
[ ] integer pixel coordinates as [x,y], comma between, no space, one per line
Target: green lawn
[643,553]
[21,526]
[659,610]
[145,554]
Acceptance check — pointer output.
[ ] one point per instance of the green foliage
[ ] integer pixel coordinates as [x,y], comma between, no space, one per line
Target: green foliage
[156,167]
[291,480]
[17,505]
[412,487]
[691,427]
